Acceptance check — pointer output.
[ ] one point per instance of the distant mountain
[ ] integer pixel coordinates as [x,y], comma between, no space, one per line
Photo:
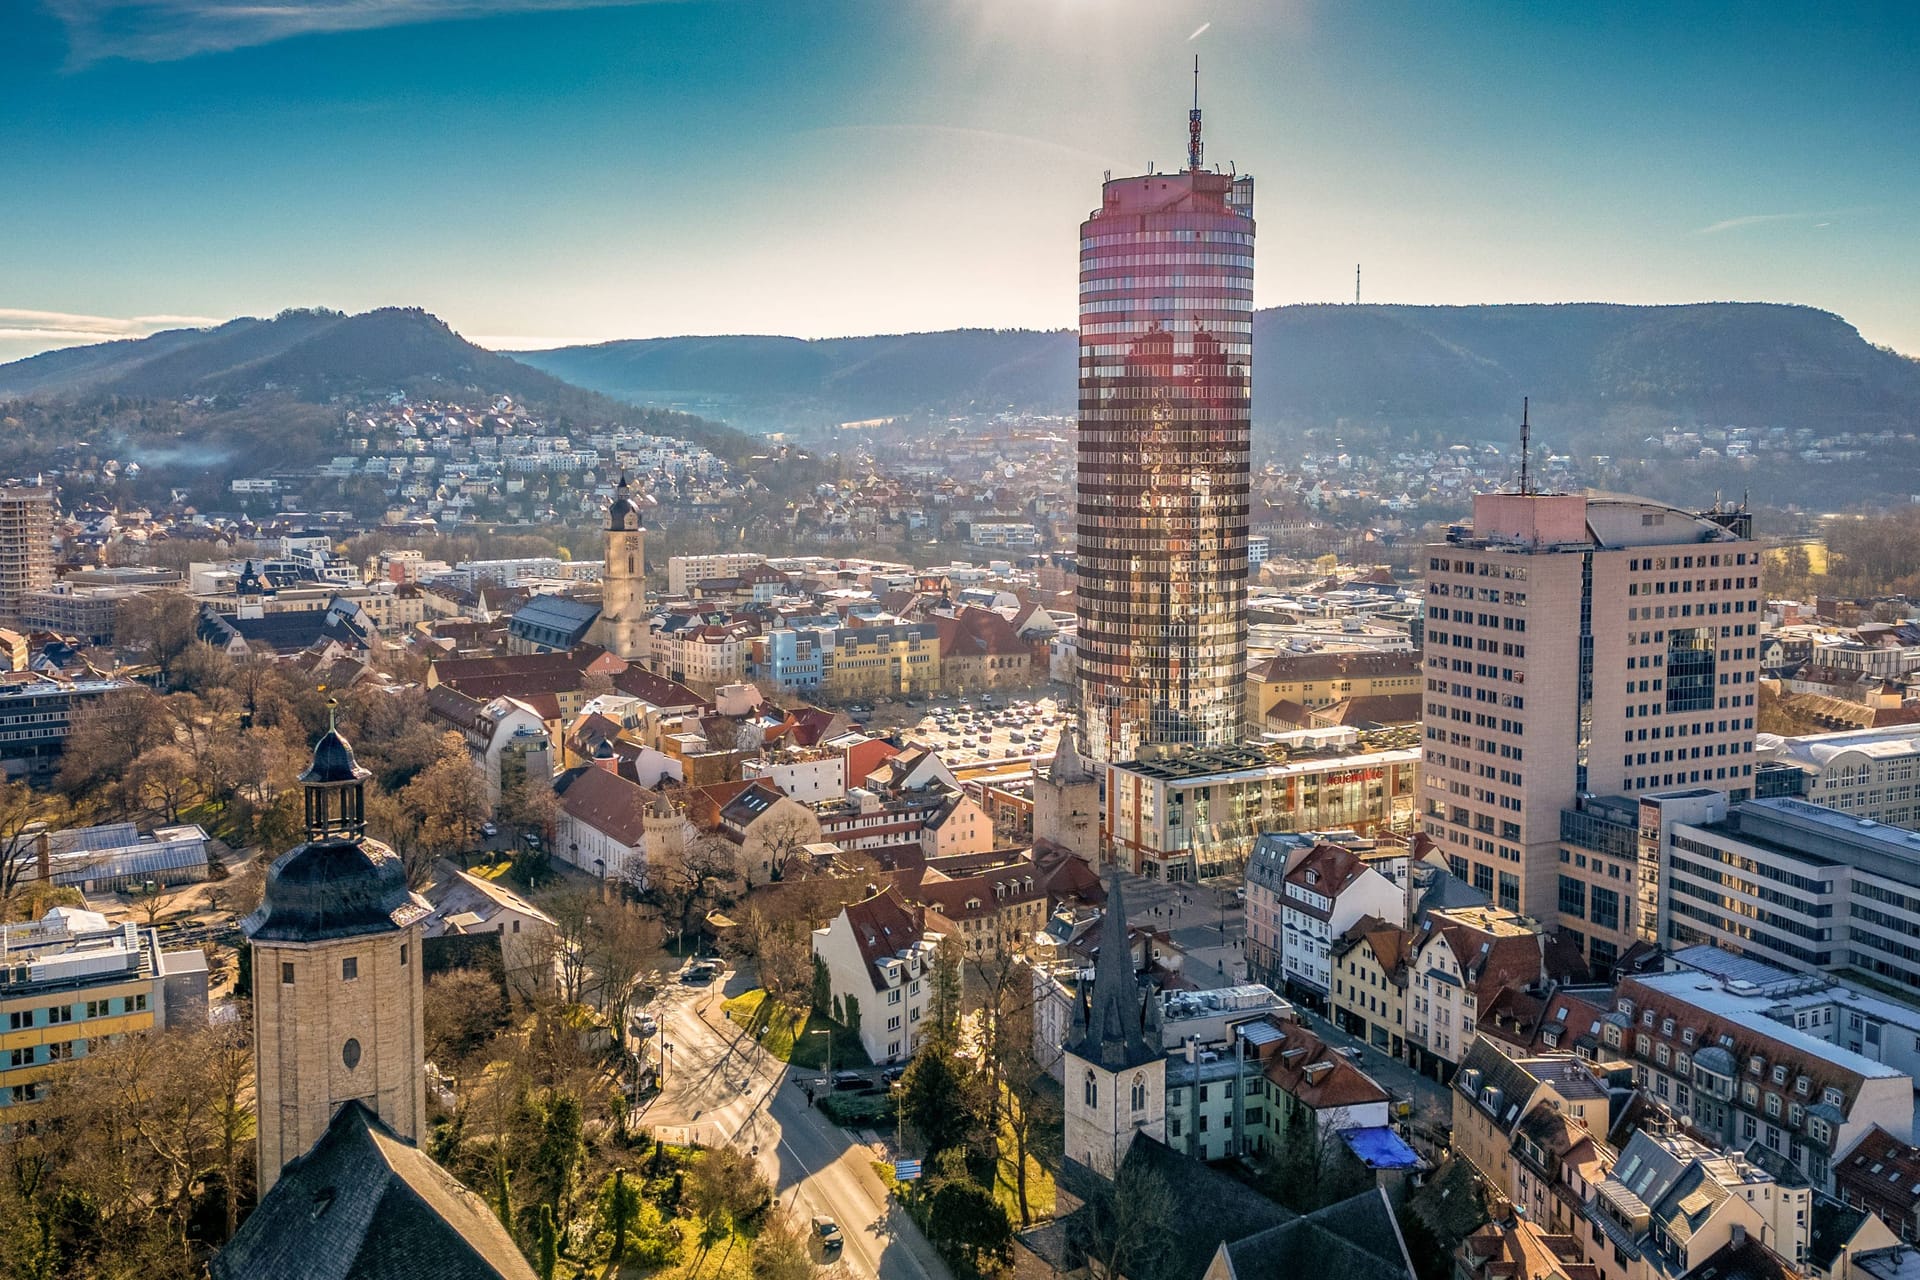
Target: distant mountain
[1391,366]
[314,354]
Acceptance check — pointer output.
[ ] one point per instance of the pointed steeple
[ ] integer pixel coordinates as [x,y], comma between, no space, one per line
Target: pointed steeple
[1111,1034]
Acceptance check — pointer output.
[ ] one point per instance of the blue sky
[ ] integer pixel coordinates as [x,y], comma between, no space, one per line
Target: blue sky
[541,171]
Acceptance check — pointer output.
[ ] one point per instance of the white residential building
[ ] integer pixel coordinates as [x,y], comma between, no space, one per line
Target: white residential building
[879,957]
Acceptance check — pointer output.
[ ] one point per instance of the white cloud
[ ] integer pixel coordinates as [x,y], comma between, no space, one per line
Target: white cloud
[1768,219]
[168,30]
[51,329]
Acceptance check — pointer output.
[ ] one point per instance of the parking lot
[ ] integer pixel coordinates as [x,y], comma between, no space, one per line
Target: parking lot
[988,727]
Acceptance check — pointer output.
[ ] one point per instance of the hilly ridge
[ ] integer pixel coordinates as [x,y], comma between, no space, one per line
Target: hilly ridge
[1377,364]
[312,355]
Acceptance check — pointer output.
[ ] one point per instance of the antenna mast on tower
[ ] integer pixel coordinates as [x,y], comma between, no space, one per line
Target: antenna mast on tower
[1193,120]
[1356,284]
[1526,449]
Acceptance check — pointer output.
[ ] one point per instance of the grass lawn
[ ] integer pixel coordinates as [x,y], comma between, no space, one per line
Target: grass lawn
[789,1035]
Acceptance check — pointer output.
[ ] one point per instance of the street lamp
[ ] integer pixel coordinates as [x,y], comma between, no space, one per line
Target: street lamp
[826,1075]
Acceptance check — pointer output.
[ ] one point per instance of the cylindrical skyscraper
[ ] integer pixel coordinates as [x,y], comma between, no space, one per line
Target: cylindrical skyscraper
[1166,347]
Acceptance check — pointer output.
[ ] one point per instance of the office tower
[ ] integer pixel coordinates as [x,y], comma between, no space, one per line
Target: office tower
[1578,649]
[1166,333]
[26,544]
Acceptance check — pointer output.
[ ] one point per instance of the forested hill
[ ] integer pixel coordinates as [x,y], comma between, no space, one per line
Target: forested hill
[315,354]
[1395,366]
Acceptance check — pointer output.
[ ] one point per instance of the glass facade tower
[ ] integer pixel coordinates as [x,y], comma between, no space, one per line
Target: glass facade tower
[1166,345]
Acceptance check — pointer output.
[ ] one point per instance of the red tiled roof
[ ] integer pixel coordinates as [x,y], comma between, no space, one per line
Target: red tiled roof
[1316,1075]
[883,926]
[609,803]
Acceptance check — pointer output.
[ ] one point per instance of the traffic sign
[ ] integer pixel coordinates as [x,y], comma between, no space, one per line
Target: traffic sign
[906,1170]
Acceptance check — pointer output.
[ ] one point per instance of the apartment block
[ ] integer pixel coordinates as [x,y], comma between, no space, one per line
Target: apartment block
[26,543]
[1719,1051]
[70,978]
[1577,647]
[684,571]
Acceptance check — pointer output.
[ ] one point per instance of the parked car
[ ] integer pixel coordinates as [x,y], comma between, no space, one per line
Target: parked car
[847,1081]
[892,1074]
[488,830]
[531,839]
[645,1024]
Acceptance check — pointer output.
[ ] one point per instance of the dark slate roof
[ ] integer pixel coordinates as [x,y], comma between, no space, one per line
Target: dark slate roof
[1834,1226]
[1356,1239]
[1211,1208]
[364,1205]
[1112,1028]
[333,761]
[554,621]
[1747,1260]
[334,888]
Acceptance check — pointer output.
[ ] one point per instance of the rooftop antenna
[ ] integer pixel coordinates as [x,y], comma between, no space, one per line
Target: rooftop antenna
[1526,449]
[1193,120]
[1356,284]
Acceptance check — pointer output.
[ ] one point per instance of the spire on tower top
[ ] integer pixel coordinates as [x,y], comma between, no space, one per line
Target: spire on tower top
[1193,120]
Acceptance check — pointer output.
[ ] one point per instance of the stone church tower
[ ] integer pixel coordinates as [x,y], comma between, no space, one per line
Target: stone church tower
[1116,1070]
[1066,801]
[623,599]
[336,974]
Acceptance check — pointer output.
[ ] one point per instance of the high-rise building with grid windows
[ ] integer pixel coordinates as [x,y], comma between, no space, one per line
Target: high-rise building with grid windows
[1166,334]
[1579,651]
[26,544]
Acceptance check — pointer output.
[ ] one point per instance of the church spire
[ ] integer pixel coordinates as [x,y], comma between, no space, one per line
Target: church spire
[1111,1034]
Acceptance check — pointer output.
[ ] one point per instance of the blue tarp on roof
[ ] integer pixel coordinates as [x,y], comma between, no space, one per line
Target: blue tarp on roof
[1379,1147]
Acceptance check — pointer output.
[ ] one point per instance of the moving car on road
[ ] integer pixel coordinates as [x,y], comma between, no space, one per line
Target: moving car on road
[826,1232]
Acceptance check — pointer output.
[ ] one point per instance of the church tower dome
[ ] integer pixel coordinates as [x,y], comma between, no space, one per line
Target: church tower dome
[336,973]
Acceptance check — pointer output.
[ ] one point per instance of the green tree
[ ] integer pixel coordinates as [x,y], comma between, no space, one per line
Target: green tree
[944,996]
[938,1099]
[556,1157]
[780,1252]
[546,1244]
[963,1217]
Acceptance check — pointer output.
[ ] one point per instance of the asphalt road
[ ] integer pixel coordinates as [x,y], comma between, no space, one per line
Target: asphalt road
[1206,921]
[721,1088]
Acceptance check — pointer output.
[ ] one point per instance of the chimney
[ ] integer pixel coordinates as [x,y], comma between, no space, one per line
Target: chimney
[43,855]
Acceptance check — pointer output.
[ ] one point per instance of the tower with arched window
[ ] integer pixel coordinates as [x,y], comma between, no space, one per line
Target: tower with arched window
[336,974]
[1116,1069]
[623,598]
